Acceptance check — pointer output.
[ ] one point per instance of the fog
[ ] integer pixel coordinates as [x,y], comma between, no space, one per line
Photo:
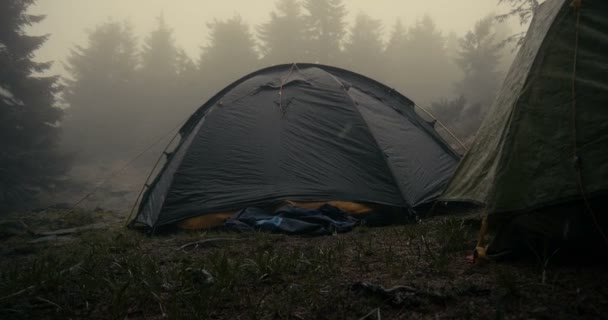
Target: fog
[68,20]
[132,71]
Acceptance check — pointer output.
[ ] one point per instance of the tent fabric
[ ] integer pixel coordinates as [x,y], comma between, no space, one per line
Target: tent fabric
[325,220]
[548,121]
[300,132]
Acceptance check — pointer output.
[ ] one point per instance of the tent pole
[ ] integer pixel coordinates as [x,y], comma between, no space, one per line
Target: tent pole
[444,127]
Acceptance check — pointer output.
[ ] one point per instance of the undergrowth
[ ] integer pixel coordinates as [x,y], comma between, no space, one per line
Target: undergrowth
[122,274]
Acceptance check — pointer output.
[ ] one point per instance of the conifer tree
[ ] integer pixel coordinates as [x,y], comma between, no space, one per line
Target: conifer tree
[29,118]
[364,48]
[326,28]
[283,37]
[229,55]
[102,94]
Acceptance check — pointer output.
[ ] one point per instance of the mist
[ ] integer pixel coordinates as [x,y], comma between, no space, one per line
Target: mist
[67,21]
[303,159]
[132,72]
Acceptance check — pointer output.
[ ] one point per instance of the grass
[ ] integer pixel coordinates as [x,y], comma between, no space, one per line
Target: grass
[123,274]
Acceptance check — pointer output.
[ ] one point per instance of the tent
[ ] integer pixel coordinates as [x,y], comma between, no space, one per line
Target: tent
[540,158]
[302,133]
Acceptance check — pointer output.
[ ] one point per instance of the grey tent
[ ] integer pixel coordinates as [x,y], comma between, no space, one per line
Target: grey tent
[299,132]
[543,147]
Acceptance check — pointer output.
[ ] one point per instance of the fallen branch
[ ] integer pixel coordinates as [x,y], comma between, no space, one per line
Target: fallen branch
[100,225]
[399,296]
[371,313]
[21,222]
[17,293]
[50,238]
[49,302]
[208,241]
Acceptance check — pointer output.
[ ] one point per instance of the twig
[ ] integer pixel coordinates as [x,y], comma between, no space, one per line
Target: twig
[428,249]
[207,241]
[17,293]
[99,225]
[544,276]
[160,304]
[49,302]
[376,311]
[72,268]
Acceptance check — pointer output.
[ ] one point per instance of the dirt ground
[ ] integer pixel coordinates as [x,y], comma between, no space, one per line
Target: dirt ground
[412,271]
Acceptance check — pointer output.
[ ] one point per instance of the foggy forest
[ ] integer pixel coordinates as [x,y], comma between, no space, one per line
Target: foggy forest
[122,92]
[303,159]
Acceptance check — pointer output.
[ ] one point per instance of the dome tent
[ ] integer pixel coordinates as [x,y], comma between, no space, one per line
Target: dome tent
[300,132]
[540,157]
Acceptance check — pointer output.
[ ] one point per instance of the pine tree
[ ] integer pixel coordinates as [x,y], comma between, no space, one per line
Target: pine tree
[229,55]
[189,83]
[189,80]
[394,54]
[326,29]
[159,54]
[29,118]
[160,90]
[397,42]
[479,58]
[102,94]
[364,48]
[169,82]
[283,38]
[425,68]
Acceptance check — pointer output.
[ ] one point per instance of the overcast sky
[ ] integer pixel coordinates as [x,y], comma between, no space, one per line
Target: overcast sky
[68,20]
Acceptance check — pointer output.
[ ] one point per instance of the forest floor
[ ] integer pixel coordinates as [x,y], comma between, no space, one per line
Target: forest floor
[107,271]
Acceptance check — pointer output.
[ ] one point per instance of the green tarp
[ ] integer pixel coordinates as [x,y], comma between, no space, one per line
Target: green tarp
[550,116]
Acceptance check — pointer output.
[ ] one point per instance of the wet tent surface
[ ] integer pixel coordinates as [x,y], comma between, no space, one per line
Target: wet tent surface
[300,132]
[548,120]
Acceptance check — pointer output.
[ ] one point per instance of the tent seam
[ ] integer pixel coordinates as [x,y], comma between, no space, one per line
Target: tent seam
[382,154]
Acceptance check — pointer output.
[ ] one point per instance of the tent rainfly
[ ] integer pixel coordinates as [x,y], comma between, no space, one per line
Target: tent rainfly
[300,132]
[540,158]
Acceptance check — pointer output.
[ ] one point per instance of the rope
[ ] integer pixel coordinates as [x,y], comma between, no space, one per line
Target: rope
[121,169]
[281,88]
[113,174]
[143,188]
[444,127]
[576,4]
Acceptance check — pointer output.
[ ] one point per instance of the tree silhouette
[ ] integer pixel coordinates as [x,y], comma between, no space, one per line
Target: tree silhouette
[424,69]
[159,56]
[479,58]
[229,55]
[163,95]
[397,41]
[283,38]
[326,28]
[101,93]
[29,160]
[189,85]
[396,49]
[364,48]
